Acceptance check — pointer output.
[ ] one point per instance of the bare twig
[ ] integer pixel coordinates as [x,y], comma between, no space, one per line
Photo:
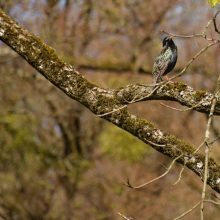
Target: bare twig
[188,211]
[207,136]
[115,110]
[181,36]
[144,97]
[158,145]
[157,178]
[204,33]
[213,141]
[181,110]
[183,168]
[125,217]
[194,58]
[180,174]
[204,181]
[212,201]
[199,147]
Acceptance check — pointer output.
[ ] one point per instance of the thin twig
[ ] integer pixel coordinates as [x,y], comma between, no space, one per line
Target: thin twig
[188,211]
[199,147]
[213,141]
[207,136]
[113,111]
[212,201]
[183,168]
[144,97]
[204,33]
[206,170]
[180,175]
[194,58]
[157,178]
[125,217]
[155,144]
[181,110]
[181,36]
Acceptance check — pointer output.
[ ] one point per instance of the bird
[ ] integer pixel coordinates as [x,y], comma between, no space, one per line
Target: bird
[166,61]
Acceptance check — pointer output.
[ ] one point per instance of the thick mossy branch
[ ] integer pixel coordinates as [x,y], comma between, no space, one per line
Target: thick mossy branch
[198,100]
[99,101]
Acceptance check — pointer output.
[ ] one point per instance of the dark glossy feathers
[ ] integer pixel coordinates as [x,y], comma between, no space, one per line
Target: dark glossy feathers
[166,61]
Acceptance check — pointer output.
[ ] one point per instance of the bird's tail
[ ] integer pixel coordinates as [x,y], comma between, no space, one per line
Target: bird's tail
[157,78]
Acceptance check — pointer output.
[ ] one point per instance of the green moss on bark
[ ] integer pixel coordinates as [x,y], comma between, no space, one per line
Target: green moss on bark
[199,95]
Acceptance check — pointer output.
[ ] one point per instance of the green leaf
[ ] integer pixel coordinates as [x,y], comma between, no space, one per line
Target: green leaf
[213,3]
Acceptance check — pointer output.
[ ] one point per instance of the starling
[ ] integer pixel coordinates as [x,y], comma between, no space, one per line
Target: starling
[166,61]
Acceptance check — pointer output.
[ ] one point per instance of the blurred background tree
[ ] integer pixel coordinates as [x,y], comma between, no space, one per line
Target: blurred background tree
[57,160]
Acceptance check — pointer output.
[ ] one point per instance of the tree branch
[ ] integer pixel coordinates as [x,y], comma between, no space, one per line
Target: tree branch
[198,100]
[100,101]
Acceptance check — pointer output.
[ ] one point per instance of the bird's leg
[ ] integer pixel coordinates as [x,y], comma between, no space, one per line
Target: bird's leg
[168,79]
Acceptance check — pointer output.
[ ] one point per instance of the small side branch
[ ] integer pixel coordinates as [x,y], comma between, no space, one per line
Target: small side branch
[155,179]
[207,137]
[125,217]
[188,211]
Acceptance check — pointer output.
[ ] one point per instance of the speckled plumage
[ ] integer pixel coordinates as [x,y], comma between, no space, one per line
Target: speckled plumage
[166,61]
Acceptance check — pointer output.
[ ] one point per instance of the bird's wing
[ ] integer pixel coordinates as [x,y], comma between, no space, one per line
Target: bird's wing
[160,65]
